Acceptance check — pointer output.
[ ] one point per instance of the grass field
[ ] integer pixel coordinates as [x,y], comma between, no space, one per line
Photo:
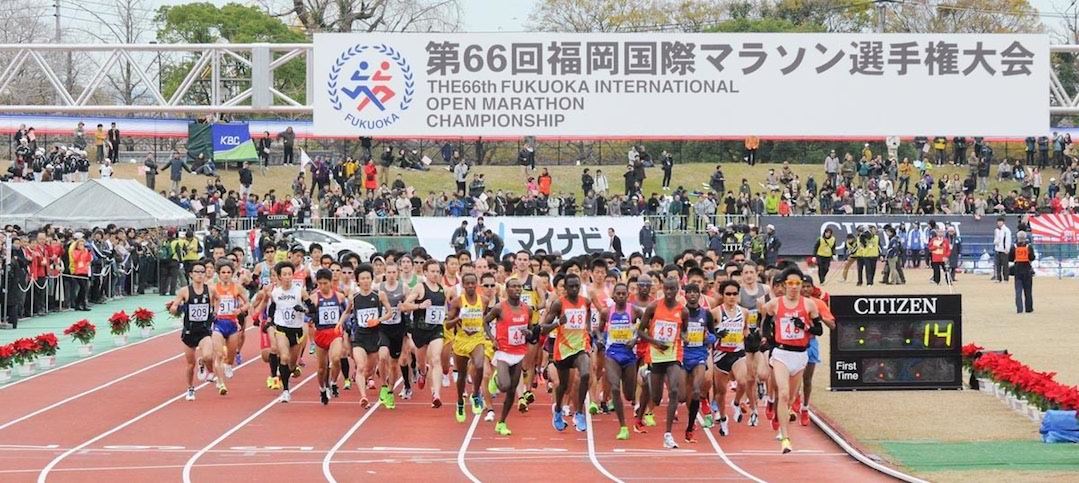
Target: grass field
[566,179]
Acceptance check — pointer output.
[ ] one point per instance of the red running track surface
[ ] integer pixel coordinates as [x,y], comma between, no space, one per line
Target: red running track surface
[139,428]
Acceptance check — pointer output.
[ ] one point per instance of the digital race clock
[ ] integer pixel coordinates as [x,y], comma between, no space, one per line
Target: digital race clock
[896,342]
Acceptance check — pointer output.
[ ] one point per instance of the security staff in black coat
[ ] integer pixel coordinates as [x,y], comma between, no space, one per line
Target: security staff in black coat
[1021,256]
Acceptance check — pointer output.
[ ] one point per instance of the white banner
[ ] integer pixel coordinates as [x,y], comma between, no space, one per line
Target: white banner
[567,235]
[679,86]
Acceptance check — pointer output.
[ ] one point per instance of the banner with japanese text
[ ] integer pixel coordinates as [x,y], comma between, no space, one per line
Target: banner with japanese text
[679,86]
[566,235]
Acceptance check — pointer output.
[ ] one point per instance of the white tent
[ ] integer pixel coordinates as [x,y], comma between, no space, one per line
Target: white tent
[123,202]
[20,200]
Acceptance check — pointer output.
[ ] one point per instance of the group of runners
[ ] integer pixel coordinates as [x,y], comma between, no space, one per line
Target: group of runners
[598,334]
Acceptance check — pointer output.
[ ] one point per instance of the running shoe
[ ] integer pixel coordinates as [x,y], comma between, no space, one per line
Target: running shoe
[770,410]
[211,377]
[803,416]
[623,434]
[708,421]
[421,381]
[502,430]
[760,390]
[706,407]
[406,393]
[724,426]
[797,405]
[364,403]
[593,408]
[793,416]
[324,396]
[690,438]
[477,404]
[334,391]
[228,372]
[609,407]
[581,422]
[190,396]
[715,406]
[311,350]
[753,419]
[459,414]
[296,372]
[668,441]
[269,382]
[446,379]
[785,445]
[492,386]
[436,403]
[239,359]
[388,401]
[775,422]
[529,397]
[738,414]
[639,427]
[522,405]
[490,416]
[277,384]
[557,421]
[201,374]
[649,419]
[370,383]
[285,396]
[221,389]
[348,384]
[382,392]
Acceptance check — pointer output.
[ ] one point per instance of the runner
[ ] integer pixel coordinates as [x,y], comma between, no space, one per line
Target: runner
[599,296]
[662,327]
[465,317]
[535,297]
[570,316]
[791,319]
[196,303]
[489,290]
[619,324]
[328,304]
[822,300]
[347,287]
[752,297]
[730,353]
[427,302]
[231,301]
[643,297]
[511,335]
[287,310]
[395,330]
[698,339]
[368,310]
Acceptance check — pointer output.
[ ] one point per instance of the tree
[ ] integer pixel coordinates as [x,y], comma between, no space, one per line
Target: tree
[206,23]
[369,16]
[598,15]
[965,16]
[20,23]
[128,26]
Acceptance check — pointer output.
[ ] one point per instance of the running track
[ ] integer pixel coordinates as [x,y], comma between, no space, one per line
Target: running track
[121,416]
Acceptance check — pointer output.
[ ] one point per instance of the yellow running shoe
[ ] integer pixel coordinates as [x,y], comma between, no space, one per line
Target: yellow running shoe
[785,445]
[623,434]
[459,414]
[277,386]
[269,382]
[649,419]
[502,430]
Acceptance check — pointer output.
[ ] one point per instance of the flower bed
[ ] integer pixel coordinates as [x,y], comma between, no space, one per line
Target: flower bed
[1038,389]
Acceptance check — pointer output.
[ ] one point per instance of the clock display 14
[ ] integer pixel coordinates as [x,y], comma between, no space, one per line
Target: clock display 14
[896,335]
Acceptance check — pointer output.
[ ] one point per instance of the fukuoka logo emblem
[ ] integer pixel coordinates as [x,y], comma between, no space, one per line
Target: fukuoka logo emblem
[370,85]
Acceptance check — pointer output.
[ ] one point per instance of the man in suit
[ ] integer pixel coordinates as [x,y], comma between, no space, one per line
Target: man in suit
[616,244]
[647,238]
[113,142]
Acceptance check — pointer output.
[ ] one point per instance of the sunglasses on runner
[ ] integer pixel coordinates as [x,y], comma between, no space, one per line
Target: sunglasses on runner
[488,285]
[793,283]
[198,271]
[732,294]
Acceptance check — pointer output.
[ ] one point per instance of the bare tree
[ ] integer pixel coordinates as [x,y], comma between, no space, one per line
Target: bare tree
[370,15]
[125,22]
[23,22]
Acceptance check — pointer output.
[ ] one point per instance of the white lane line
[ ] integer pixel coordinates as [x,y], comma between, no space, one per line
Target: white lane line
[80,361]
[86,392]
[191,461]
[41,477]
[329,454]
[723,455]
[592,448]
[464,449]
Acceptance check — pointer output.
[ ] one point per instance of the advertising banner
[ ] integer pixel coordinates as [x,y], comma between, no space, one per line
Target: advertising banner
[232,143]
[568,235]
[799,233]
[1062,228]
[677,86]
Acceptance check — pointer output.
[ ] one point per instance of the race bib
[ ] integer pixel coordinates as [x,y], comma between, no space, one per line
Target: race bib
[436,315]
[297,283]
[594,321]
[575,319]
[329,315]
[471,319]
[517,334]
[788,331]
[198,312]
[288,315]
[751,321]
[396,319]
[695,334]
[366,318]
[732,340]
[226,304]
[664,331]
[620,334]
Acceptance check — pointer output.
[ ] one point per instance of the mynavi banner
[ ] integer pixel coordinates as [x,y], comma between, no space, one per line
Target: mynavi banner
[799,233]
[566,235]
[685,86]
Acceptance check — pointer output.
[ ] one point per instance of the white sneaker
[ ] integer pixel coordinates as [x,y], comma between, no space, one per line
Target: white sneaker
[668,441]
[228,371]
[779,436]
[190,396]
[737,412]
[201,373]
[446,379]
[406,394]
[753,419]
[490,416]
[724,427]
[285,396]
[211,377]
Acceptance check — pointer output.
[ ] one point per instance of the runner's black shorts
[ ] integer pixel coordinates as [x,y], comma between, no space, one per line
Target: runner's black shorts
[569,362]
[423,334]
[662,367]
[725,360]
[294,334]
[394,334]
[369,339]
[191,337]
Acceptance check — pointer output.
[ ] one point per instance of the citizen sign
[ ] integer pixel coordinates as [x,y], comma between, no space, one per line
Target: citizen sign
[895,306]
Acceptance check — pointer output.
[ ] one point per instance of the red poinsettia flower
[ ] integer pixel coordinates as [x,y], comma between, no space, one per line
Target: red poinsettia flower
[82,331]
[7,356]
[47,344]
[119,323]
[143,317]
[25,350]
[970,350]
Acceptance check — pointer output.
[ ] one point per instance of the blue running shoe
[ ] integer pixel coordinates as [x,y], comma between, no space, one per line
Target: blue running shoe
[557,421]
[580,421]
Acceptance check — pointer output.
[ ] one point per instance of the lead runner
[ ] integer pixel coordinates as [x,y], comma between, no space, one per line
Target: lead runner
[511,336]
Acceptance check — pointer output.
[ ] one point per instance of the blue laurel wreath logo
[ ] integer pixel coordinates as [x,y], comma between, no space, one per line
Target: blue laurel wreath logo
[392,54]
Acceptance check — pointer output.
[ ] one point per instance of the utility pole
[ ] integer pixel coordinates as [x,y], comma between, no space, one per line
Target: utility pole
[58,39]
[882,16]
